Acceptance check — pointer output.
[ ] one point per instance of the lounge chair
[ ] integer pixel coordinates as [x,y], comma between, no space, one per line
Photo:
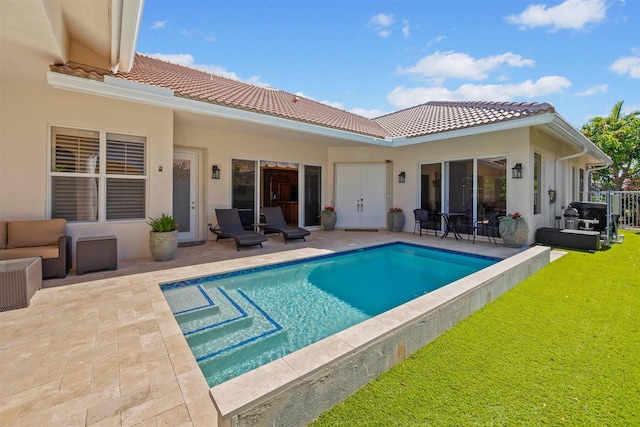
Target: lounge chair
[277,224]
[229,225]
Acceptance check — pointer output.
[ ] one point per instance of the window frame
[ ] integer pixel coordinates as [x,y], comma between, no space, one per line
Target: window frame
[102,176]
[537,183]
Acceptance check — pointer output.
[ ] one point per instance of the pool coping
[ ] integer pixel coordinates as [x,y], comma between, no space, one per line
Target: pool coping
[296,388]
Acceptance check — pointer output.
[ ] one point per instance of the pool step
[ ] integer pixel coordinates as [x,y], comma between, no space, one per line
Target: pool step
[227,363]
[218,332]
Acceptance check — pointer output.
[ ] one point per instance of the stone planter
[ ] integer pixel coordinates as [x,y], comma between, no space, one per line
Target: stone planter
[514,232]
[395,221]
[328,220]
[163,245]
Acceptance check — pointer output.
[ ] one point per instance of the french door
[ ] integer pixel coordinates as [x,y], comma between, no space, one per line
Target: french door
[185,193]
[360,195]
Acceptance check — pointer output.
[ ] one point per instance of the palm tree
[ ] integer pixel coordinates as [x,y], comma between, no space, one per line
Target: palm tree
[618,135]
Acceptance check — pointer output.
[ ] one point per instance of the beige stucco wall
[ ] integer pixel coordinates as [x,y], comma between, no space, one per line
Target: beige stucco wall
[219,147]
[29,111]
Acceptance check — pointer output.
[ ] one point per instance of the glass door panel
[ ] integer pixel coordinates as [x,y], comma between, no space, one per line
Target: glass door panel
[492,186]
[312,195]
[243,190]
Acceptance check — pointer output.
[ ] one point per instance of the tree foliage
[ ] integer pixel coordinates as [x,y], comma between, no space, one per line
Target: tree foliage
[618,135]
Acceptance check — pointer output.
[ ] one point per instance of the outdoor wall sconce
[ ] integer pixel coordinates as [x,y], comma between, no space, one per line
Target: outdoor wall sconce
[215,172]
[552,196]
[401,177]
[516,171]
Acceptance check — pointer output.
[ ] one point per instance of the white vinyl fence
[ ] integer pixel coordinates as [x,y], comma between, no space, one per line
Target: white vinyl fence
[626,204]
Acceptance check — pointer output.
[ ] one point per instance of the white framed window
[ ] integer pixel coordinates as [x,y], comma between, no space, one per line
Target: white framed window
[97,176]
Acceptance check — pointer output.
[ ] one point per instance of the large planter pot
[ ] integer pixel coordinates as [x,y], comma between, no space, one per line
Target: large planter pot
[163,245]
[514,232]
[328,220]
[395,221]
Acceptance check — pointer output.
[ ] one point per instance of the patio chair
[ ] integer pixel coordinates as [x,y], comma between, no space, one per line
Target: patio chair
[487,226]
[277,224]
[229,225]
[425,221]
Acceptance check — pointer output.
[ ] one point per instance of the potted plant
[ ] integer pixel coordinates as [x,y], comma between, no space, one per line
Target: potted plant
[163,237]
[395,219]
[328,218]
[513,230]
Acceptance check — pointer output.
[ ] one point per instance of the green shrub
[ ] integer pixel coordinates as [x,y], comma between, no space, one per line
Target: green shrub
[163,224]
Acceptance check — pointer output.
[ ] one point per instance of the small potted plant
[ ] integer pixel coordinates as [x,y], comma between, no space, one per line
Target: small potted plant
[395,219]
[513,230]
[163,237]
[328,218]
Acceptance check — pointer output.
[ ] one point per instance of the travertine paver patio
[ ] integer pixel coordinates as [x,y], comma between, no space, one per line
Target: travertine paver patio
[103,349]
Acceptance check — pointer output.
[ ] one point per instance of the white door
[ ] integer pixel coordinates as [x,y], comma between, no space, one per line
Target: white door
[360,195]
[185,191]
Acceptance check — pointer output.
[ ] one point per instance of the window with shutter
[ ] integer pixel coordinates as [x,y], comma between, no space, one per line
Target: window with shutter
[97,176]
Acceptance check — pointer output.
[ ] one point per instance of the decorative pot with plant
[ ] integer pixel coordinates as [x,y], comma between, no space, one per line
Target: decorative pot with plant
[328,218]
[395,219]
[163,237]
[513,230]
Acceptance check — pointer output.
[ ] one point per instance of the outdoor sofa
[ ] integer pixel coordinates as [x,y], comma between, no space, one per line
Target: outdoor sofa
[46,239]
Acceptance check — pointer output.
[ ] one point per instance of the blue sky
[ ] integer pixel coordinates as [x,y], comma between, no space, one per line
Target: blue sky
[376,57]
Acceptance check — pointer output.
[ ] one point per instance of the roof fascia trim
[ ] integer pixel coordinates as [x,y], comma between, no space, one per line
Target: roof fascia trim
[160,97]
[576,138]
[537,119]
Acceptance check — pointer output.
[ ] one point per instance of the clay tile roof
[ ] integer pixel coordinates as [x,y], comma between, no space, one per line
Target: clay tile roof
[206,87]
[425,119]
[436,117]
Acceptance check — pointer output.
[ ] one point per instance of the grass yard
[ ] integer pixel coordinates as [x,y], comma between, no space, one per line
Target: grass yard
[561,348]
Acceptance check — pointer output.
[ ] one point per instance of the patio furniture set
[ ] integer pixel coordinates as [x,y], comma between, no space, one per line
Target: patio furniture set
[31,251]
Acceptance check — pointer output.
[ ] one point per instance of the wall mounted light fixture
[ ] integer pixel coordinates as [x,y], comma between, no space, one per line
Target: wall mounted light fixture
[516,171]
[215,172]
[401,177]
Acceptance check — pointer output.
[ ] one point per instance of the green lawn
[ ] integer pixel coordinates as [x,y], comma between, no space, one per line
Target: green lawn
[561,348]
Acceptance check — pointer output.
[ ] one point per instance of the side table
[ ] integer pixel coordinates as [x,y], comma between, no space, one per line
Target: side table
[96,253]
[19,281]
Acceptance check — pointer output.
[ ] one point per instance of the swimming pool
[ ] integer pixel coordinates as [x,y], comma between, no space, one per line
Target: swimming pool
[235,322]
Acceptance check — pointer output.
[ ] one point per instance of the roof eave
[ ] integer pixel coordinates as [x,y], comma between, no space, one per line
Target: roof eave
[156,96]
[562,128]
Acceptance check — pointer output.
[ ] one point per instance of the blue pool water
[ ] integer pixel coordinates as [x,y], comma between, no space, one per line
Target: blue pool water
[237,321]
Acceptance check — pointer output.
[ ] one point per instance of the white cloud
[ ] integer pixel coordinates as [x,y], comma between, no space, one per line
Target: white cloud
[627,65]
[594,90]
[571,14]
[158,25]
[381,22]
[462,66]
[187,60]
[406,29]
[403,97]
[436,40]
[210,37]
[338,105]
[370,114]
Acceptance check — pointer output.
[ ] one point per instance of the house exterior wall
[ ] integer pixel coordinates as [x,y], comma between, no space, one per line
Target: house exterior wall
[514,144]
[29,111]
[220,147]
